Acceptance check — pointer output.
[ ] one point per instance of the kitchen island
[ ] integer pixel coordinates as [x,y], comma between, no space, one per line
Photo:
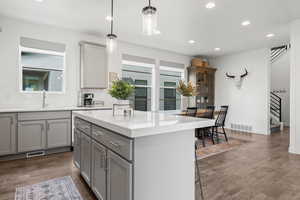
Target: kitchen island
[147,156]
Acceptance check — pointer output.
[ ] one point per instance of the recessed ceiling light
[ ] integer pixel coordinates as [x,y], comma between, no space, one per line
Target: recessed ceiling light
[191,41]
[270,35]
[156,32]
[39,1]
[210,5]
[217,49]
[246,23]
[109,18]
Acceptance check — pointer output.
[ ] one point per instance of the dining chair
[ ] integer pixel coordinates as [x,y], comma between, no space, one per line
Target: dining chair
[220,123]
[201,132]
[192,111]
[209,113]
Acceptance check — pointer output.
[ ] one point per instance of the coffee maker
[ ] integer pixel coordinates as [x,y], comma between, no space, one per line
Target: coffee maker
[88,99]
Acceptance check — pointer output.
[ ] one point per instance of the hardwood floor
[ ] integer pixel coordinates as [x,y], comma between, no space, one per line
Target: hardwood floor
[25,172]
[261,169]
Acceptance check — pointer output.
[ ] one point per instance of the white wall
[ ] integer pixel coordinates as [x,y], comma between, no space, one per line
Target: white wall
[12,30]
[280,81]
[295,88]
[249,104]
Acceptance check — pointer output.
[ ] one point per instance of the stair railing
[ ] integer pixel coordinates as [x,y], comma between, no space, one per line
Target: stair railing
[275,106]
[276,52]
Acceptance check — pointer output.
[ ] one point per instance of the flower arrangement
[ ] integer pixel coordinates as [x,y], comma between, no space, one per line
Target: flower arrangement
[186,90]
[121,90]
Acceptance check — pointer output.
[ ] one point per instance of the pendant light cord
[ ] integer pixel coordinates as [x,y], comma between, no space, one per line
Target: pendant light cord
[112,17]
[149,3]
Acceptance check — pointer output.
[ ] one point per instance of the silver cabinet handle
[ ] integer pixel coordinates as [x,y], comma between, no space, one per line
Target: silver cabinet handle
[115,144]
[103,159]
[97,134]
[43,127]
[48,126]
[11,121]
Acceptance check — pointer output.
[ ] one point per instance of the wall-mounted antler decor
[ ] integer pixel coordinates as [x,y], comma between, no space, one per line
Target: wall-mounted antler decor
[238,79]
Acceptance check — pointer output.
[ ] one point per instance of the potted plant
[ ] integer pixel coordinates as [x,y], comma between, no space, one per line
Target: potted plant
[187,91]
[121,90]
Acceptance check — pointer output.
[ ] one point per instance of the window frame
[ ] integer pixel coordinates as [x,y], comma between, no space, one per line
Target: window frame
[152,86]
[40,51]
[174,69]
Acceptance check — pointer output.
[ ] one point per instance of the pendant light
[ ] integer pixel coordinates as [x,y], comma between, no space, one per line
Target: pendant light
[149,14]
[111,38]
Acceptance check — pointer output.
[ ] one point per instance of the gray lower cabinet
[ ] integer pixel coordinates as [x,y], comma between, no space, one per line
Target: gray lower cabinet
[98,178]
[76,148]
[119,177]
[31,135]
[7,134]
[105,161]
[58,133]
[85,157]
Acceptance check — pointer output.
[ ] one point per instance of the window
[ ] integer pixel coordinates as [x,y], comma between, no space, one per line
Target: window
[42,66]
[170,99]
[140,75]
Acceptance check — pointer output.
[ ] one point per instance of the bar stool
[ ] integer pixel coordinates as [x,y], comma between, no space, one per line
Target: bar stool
[198,178]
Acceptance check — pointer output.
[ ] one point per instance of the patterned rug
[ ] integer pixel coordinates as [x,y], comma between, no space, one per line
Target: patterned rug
[213,149]
[56,189]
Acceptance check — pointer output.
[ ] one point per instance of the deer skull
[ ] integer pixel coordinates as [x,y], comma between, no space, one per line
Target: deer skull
[238,79]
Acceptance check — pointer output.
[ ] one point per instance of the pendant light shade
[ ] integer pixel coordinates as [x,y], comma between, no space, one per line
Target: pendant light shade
[149,14]
[111,42]
[111,38]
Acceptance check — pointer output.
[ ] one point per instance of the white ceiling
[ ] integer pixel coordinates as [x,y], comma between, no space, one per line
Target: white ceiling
[179,21]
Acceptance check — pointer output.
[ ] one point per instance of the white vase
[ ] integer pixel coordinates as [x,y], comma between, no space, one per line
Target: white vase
[123,102]
[188,102]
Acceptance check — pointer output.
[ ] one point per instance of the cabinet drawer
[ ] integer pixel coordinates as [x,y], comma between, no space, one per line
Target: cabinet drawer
[117,143]
[30,116]
[82,125]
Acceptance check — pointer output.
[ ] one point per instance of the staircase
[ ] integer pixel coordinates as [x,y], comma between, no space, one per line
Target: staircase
[276,112]
[276,52]
[276,123]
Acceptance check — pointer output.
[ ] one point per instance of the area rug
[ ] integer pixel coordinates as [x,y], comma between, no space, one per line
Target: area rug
[56,189]
[213,149]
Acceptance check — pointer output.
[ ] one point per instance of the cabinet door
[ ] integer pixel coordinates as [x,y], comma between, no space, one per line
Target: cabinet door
[76,153]
[85,157]
[93,66]
[98,179]
[58,133]
[7,134]
[119,178]
[31,135]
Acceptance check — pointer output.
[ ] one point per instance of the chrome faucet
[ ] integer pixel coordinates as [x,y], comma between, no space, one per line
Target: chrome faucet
[44,99]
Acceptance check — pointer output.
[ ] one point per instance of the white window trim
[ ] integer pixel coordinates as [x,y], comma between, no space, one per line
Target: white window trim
[31,50]
[138,64]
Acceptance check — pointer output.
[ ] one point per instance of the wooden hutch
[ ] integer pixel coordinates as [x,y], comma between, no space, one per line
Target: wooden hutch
[204,79]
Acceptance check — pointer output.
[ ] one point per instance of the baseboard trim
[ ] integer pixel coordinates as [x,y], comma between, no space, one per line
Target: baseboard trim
[252,132]
[23,154]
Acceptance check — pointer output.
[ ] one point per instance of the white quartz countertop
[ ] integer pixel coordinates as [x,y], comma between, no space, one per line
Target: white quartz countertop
[143,123]
[40,109]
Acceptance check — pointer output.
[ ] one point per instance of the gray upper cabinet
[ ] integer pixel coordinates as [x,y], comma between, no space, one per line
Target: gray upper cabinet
[119,175]
[76,148]
[31,135]
[7,134]
[94,66]
[58,133]
[99,170]
[85,157]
